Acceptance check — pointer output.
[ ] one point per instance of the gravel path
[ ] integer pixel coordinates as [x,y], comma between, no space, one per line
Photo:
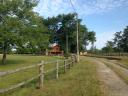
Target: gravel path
[122,70]
[1,73]
[112,84]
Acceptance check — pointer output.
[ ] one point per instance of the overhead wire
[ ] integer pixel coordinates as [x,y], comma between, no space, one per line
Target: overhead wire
[73,6]
[77,30]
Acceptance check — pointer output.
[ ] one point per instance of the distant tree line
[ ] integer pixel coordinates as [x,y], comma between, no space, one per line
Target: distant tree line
[23,30]
[119,42]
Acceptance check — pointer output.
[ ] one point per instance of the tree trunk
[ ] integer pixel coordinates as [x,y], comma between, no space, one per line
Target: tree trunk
[4,57]
[67,53]
[4,54]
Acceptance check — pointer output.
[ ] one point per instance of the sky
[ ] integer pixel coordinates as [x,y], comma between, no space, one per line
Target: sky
[105,17]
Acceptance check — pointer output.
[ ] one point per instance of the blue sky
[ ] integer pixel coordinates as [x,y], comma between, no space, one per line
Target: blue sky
[105,17]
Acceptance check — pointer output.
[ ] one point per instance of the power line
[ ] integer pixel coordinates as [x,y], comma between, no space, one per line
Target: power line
[72,6]
[77,31]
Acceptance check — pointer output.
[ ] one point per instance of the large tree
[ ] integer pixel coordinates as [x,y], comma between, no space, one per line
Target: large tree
[20,26]
[109,47]
[118,41]
[35,37]
[125,40]
[92,39]
[63,31]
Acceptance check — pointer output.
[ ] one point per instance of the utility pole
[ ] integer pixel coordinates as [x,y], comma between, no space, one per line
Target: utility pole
[77,29]
[66,43]
[77,37]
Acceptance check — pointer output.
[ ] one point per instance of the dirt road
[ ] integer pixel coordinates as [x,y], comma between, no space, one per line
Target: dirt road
[111,83]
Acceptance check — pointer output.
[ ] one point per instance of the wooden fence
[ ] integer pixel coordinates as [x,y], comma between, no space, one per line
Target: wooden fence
[67,63]
[108,54]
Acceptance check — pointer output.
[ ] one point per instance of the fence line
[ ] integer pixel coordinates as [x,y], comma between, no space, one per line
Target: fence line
[17,70]
[57,69]
[67,64]
[108,54]
[19,84]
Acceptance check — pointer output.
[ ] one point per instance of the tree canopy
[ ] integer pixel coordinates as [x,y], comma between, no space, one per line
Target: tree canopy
[62,30]
[20,27]
[119,43]
[25,31]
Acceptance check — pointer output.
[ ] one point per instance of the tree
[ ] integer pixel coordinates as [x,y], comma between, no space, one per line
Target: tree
[63,31]
[36,37]
[14,17]
[92,39]
[125,40]
[109,47]
[121,40]
[118,41]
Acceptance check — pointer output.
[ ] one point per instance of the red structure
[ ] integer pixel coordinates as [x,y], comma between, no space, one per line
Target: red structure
[55,50]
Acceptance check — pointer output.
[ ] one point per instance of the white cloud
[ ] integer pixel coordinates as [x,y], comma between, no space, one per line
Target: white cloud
[48,8]
[103,37]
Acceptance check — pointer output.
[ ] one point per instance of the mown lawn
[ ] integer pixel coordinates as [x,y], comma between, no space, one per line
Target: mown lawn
[80,80]
[17,61]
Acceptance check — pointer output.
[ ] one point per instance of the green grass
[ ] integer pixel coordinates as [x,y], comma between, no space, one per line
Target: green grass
[81,80]
[17,61]
[124,60]
[119,72]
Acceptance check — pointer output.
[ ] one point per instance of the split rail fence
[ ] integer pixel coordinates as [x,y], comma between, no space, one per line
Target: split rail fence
[108,54]
[65,64]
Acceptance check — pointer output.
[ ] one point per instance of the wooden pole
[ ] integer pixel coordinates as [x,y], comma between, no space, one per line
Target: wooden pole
[77,37]
[57,69]
[69,63]
[41,77]
[72,60]
[65,66]
[75,58]
[66,44]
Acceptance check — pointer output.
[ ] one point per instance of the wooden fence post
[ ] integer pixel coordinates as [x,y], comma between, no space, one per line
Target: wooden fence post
[57,69]
[72,60]
[41,77]
[75,58]
[68,63]
[65,65]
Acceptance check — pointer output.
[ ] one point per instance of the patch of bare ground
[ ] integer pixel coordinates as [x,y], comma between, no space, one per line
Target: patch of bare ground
[111,83]
[120,70]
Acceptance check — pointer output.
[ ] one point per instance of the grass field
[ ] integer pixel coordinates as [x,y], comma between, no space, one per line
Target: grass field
[124,60]
[17,61]
[81,80]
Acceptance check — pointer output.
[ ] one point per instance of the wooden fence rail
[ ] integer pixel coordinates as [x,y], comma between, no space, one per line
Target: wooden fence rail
[67,64]
[109,54]
[17,70]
